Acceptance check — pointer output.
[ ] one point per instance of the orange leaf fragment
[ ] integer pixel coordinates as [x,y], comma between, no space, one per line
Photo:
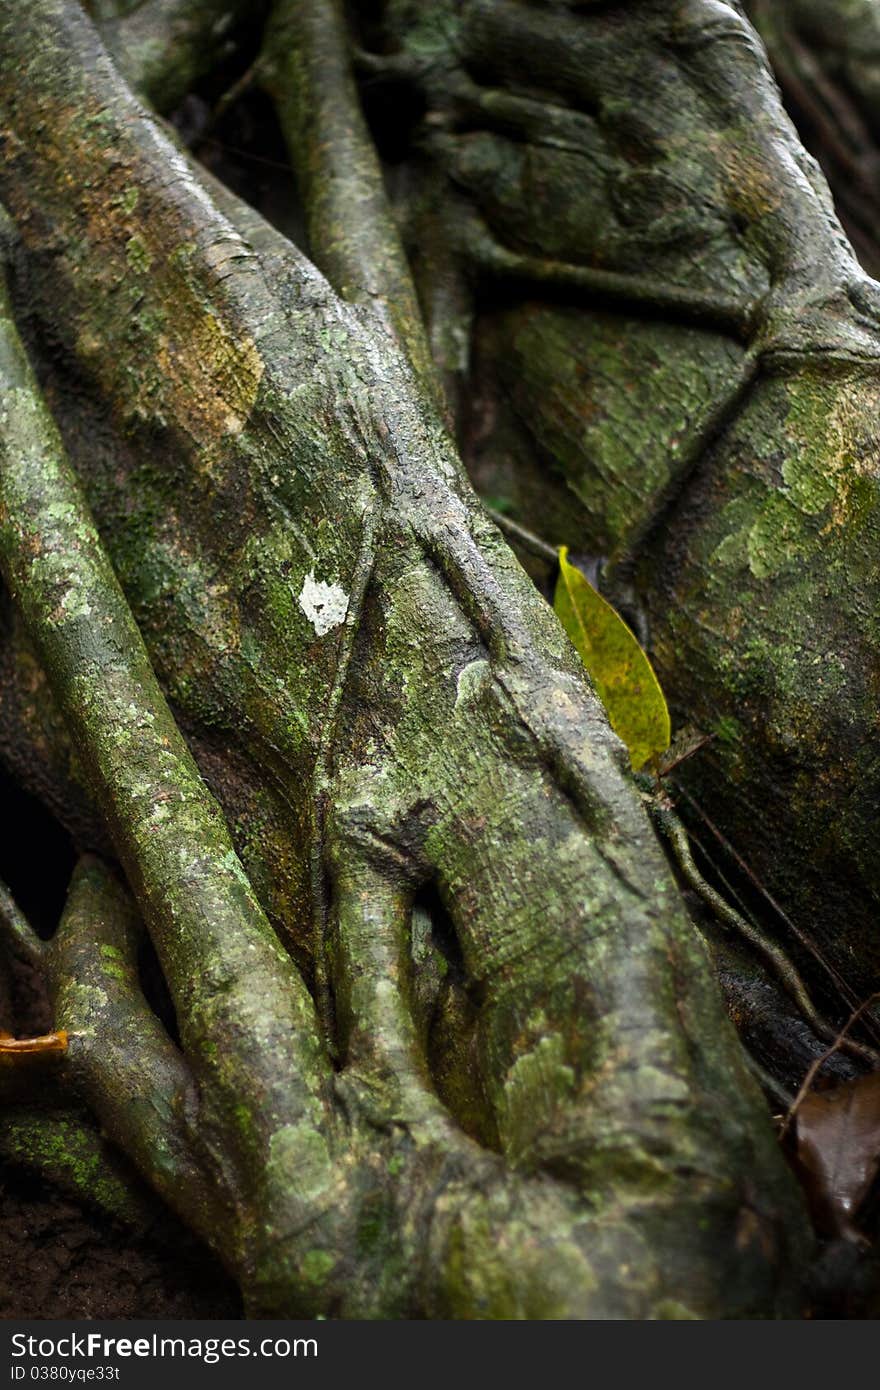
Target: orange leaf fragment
[28,1047]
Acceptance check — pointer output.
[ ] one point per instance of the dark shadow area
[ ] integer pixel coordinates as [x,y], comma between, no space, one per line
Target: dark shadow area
[58,1259]
[36,856]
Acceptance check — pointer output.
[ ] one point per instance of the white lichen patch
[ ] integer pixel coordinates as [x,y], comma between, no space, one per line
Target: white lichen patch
[470,681]
[74,603]
[325,605]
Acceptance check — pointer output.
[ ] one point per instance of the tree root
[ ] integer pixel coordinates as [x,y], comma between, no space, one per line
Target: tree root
[735,487]
[64,1148]
[309,577]
[306,68]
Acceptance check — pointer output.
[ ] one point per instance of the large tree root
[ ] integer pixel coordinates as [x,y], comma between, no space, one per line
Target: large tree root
[510,1089]
[727,473]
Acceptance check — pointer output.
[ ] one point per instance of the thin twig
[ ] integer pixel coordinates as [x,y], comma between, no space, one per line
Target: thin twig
[720,877]
[528,539]
[232,94]
[839,1041]
[239,153]
[785,971]
[54,1044]
[768,1083]
[799,935]
[665,768]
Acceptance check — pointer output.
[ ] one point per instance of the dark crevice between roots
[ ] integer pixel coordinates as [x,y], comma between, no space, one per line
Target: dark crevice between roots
[770,1026]
[37,856]
[446,1005]
[394,109]
[155,989]
[832,994]
[245,150]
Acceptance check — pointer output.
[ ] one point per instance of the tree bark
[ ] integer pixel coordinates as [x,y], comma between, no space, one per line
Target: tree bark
[724,473]
[449,1042]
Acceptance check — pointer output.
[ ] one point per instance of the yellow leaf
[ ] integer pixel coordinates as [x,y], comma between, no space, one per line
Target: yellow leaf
[621,673]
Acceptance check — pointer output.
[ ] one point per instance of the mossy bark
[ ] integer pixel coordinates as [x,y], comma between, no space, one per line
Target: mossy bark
[724,475]
[451,1045]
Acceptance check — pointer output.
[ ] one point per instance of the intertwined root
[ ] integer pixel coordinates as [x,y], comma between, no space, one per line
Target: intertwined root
[524,1102]
[616,1126]
[679,371]
[616,1123]
[603,1144]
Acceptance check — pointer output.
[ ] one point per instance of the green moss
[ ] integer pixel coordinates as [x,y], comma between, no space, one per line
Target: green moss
[114,964]
[727,729]
[76,1158]
[539,1084]
[139,257]
[244,1123]
[779,538]
[315,1266]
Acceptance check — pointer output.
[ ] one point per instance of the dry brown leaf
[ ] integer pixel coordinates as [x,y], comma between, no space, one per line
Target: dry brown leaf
[838,1150]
